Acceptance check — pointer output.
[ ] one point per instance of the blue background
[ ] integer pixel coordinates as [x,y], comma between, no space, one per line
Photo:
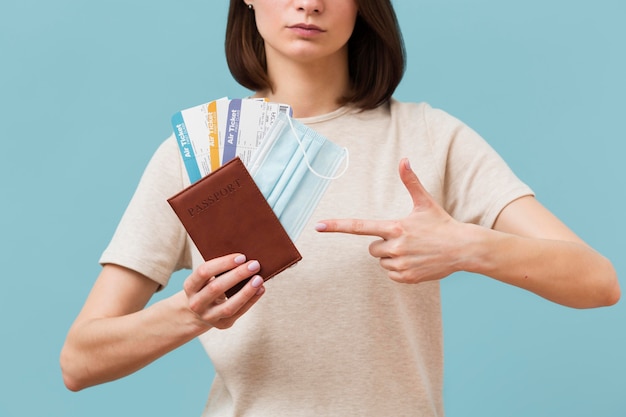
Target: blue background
[86,93]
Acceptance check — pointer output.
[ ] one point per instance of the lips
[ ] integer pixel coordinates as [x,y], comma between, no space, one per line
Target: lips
[304,29]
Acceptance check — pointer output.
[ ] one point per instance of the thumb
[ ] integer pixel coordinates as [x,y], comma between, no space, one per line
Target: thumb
[417,191]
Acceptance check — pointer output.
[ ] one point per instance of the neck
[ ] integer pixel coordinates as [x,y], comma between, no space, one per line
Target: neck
[311,89]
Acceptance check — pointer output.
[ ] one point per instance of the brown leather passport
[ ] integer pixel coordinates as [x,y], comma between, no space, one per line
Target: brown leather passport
[225,212]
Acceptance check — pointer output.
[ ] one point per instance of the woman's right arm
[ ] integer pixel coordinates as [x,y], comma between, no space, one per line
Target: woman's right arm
[114,335]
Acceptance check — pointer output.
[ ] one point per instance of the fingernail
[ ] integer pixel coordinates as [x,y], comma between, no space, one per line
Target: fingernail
[239,259]
[260,291]
[257,281]
[254,266]
[407,164]
[320,227]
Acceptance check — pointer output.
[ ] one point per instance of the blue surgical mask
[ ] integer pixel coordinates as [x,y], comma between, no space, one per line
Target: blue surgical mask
[293,167]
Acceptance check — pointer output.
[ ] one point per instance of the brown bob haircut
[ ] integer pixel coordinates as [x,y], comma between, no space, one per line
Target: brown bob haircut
[376,54]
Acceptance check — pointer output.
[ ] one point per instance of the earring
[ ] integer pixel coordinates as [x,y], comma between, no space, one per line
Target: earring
[250,6]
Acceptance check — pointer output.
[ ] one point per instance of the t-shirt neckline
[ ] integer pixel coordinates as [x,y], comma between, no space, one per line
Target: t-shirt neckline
[325,117]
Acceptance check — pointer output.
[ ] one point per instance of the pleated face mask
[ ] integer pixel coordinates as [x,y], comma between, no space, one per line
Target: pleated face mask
[293,167]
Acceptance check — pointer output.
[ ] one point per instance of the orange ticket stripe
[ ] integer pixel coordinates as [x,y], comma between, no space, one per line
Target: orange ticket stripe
[214,151]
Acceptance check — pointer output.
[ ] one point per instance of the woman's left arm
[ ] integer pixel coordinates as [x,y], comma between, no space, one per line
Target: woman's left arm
[527,247]
[531,248]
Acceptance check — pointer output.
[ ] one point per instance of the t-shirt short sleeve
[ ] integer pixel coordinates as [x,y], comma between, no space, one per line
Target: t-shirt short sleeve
[477,182]
[149,238]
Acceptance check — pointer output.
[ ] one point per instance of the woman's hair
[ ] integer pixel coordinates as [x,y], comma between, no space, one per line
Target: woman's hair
[376,54]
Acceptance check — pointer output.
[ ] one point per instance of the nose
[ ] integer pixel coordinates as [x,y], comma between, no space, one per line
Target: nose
[310,6]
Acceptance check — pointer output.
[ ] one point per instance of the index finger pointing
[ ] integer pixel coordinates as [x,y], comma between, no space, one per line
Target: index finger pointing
[355,227]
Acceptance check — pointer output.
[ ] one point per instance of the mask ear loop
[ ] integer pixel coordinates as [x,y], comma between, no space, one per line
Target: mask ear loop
[306,158]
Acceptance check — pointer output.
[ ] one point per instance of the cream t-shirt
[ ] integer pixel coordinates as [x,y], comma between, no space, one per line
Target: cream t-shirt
[333,335]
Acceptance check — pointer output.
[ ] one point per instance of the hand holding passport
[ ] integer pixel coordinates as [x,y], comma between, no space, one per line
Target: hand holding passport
[225,213]
[223,210]
[226,210]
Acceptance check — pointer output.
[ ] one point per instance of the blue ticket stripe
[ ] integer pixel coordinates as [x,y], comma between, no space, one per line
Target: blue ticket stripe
[232,130]
[185,147]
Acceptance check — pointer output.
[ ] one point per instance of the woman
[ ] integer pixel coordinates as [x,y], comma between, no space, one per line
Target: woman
[341,333]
